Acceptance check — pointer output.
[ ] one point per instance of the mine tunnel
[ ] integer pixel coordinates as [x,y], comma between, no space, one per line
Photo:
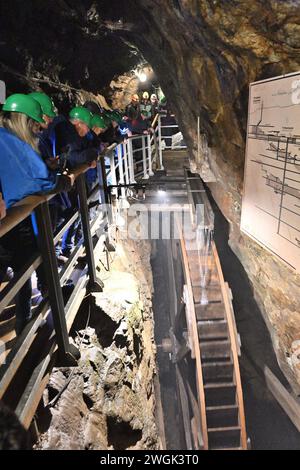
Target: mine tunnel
[149,225]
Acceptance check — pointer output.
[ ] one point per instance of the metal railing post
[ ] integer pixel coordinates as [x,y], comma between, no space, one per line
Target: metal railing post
[120,166]
[146,176]
[150,172]
[125,163]
[159,143]
[102,181]
[68,353]
[130,162]
[94,283]
[103,190]
[113,170]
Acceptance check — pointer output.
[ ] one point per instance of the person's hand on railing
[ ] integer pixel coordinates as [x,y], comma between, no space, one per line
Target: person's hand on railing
[53,163]
[72,178]
[2,207]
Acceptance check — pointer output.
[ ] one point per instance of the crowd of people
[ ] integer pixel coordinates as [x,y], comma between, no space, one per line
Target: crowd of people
[39,151]
[140,112]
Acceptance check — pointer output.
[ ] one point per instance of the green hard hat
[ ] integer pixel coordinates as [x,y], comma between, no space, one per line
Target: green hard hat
[46,103]
[20,103]
[106,119]
[116,116]
[98,121]
[82,114]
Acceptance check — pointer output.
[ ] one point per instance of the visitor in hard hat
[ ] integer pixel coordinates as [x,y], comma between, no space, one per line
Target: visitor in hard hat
[60,204]
[48,110]
[145,106]
[93,107]
[98,124]
[72,139]
[63,142]
[47,105]
[132,110]
[93,138]
[141,125]
[113,134]
[22,172]
[154,105]
[19,123]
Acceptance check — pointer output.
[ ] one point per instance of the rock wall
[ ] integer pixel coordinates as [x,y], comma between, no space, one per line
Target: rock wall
[108,401]
[121,89]
[62,47]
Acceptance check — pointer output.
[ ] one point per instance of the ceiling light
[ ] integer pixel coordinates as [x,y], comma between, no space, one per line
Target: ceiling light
[142,77]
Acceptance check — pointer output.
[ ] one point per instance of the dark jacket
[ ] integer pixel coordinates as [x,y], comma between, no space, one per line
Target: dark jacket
[133,110]
[138,126]
[61,138]
[111,136]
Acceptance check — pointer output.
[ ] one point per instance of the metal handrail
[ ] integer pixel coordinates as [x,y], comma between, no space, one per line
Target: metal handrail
[62,315]
[23,208]
[46,240]
[234,350]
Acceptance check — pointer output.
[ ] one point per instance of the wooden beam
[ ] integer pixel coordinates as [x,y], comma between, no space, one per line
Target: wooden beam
[183,397]
[289,403]
[233,319]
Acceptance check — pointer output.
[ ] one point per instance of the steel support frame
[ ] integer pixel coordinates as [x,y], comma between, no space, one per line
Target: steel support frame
[94,284]
[68,353]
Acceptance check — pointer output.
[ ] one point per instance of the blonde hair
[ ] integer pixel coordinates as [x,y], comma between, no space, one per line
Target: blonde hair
[20,125]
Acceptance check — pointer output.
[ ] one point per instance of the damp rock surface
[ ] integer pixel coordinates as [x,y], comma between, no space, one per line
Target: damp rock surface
[108,402]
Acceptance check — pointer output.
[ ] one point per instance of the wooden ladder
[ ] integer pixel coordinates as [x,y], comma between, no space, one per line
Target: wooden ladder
[220,383]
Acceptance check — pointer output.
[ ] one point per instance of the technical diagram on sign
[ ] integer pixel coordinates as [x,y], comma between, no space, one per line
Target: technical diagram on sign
[271,199]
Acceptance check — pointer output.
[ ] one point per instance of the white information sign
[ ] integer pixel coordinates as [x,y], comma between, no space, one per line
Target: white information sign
[271,199]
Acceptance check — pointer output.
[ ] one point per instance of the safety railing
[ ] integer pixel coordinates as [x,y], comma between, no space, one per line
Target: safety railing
[140,155]
[169,135]
[45,337]
[135,158]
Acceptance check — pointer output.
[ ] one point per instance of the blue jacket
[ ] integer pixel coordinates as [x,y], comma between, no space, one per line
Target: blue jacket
[22,170]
